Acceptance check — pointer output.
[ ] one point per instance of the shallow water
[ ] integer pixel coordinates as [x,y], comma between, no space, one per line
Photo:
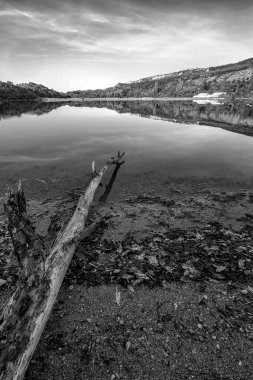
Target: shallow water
[57,143]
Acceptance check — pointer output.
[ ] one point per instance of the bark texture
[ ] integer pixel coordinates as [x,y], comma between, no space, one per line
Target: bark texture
[25,315]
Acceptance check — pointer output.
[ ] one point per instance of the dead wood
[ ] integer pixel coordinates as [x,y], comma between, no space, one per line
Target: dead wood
[25,315]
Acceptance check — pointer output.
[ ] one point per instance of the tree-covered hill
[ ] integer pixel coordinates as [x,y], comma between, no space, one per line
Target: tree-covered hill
[235,79]
[26,91]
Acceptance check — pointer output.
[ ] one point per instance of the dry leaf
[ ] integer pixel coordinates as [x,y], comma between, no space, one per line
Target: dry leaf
[153,260]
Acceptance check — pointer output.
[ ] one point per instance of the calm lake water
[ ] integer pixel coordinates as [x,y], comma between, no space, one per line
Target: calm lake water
[54,144]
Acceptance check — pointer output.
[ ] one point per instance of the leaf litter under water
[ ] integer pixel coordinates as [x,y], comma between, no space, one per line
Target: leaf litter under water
[211,253]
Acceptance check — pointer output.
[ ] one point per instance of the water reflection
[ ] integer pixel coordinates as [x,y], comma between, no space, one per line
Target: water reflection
[236,117]
[59,145]
[17,109]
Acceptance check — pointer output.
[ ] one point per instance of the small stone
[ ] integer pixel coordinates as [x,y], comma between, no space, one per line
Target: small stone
[200,326]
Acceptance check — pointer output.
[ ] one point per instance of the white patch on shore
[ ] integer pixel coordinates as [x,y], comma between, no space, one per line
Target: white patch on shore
[205,95]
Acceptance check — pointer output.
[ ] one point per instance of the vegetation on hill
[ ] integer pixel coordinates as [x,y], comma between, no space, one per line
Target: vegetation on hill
[235,79]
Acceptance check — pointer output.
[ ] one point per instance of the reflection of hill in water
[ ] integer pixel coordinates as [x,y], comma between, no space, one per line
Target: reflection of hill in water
[17,109]
[236,117]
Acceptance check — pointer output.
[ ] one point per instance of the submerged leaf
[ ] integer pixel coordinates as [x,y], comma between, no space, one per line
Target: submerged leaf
[220,268]
[2,282]
[153,260]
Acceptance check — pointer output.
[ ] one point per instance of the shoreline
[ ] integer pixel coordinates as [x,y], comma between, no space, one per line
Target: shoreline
[115,99]
[223,99]
[148,252]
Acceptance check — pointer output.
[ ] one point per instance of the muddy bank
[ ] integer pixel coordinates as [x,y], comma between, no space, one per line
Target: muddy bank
[162,290]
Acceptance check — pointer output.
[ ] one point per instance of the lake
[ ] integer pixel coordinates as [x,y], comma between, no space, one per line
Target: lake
[51,145]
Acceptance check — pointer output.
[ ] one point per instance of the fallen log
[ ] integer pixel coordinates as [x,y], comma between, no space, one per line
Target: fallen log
[26,313]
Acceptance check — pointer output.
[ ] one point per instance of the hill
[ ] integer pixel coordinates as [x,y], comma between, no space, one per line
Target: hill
[26,91]
[235,79]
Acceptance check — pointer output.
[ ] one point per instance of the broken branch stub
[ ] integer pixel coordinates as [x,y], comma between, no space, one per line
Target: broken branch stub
[27,245]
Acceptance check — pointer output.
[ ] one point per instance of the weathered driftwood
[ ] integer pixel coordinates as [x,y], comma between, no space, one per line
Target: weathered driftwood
[25,315]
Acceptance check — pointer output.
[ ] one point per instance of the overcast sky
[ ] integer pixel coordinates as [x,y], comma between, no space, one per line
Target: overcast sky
[81,44]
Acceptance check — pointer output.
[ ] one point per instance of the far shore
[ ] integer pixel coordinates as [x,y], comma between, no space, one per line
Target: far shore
[133,99]
[110,99]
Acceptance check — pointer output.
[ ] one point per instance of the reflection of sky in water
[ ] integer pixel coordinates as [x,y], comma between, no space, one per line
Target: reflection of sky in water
[76,136]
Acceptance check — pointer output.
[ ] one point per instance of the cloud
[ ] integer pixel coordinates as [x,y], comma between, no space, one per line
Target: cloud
[82,33]
[114,7]
[160,35]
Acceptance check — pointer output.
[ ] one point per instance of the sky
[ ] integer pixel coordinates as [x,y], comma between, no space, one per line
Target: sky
[88,44]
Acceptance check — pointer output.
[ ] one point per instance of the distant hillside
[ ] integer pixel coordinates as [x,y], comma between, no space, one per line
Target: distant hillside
[235,79]
[26,91]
